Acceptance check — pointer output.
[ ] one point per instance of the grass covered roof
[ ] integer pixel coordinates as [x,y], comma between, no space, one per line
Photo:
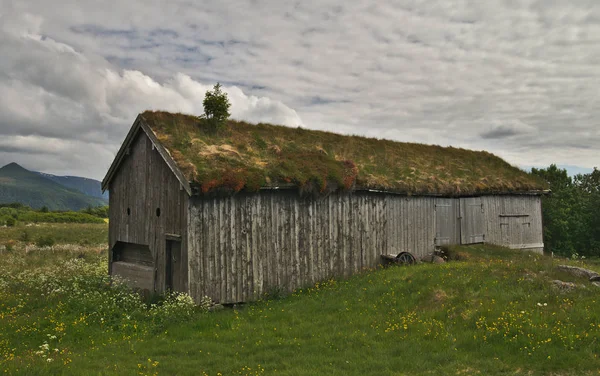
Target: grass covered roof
[247,157]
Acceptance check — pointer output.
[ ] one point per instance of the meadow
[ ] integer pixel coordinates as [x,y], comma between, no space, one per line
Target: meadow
[490,311]
[14,214]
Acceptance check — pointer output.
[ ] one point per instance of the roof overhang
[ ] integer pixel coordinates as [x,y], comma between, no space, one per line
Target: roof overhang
[292,187]
[140,125]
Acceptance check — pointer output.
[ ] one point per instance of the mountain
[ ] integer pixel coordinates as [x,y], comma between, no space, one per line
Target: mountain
[88,186]
[36,190]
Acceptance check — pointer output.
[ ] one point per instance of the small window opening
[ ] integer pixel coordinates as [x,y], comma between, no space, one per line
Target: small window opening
[158,212]
[128,211]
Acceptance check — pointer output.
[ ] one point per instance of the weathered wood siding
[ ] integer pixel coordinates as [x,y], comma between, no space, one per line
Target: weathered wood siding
[447,223]
[472,220]
[136,275]
[143,184]
[243,246]
[514,221]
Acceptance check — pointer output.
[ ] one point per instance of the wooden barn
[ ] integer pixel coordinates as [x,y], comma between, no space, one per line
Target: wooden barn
[236,213]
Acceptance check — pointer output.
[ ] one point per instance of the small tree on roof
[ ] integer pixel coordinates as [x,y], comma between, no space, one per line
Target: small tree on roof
[216,106]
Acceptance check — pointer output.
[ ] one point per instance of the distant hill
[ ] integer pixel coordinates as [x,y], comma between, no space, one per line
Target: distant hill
[36,190]
[88,186]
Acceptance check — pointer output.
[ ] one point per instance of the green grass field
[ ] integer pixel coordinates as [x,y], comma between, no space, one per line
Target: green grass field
[63,233]
[492,312]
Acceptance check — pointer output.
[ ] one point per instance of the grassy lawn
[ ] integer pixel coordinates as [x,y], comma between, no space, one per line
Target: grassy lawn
[493,311]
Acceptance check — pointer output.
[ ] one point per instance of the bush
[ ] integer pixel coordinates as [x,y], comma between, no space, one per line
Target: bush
[99,211]
[172,307]
[9,212]
[25,237]
[11,222]
[15,205]
[9,246]
[275,293]
[64,217]
[45,241]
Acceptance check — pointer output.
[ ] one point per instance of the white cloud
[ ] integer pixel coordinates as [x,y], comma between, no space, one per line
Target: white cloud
[55,101]
[56,155]
[517,78]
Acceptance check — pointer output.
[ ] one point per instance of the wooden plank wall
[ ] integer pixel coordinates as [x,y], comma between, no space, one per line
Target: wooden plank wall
[514,221]
[472,221]
[137,275]
[447,222]
[144,183]
[243,246]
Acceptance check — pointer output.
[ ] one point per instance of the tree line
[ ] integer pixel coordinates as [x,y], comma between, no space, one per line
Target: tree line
[571,213]
[13,213]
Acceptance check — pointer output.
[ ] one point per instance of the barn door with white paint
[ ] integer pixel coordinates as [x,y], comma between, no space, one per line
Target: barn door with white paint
[447,229]
[472,223]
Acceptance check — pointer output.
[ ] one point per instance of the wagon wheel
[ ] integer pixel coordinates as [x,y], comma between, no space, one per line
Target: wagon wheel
[405,258]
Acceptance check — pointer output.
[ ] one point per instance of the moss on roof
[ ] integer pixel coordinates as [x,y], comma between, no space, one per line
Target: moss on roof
[247,157]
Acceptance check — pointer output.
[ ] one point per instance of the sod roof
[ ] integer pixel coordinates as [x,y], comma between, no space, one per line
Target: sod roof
[248,157]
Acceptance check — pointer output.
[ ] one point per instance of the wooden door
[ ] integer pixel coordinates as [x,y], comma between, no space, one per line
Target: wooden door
[447,229]
[472,224]
[134,263]
[173,265]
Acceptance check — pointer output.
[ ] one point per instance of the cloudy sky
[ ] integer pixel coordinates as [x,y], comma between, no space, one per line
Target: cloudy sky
[518,78]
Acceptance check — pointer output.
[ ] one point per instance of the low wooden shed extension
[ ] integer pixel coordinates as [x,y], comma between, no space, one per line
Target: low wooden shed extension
[234,214]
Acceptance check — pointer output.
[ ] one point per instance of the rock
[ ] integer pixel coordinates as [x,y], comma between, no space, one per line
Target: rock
[566,286]
[216,307]
[597,284]
[595,278]
[578,272]
[432,259]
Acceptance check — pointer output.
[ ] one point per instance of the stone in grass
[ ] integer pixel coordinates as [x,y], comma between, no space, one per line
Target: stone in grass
[433,259]
[597,284]
[216,307]
[595,278]
[578,272]
[564,286]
